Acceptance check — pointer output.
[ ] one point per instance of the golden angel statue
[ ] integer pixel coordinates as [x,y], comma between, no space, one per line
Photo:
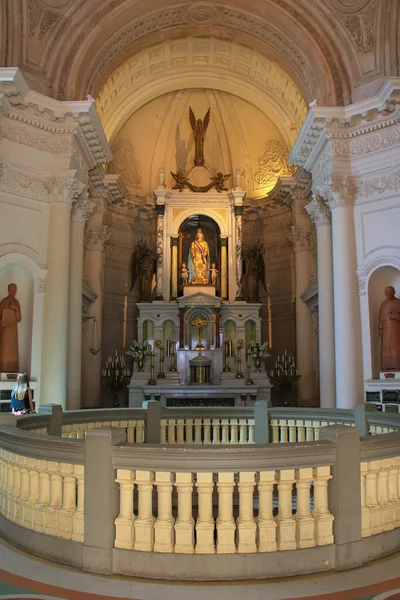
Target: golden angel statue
[199,129]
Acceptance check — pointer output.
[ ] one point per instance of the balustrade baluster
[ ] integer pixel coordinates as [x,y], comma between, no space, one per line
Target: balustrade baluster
[51,525]
[275,431]
[286,534]
[316,427]
[207,431]
[283,430]
[184,524]
[292,430]
[171,431]
[383,494]
[164,523]
[9,486]
[24,492]
[80,434]
[189,431]
[68,501]
[216,429]
[242,431]
[144,522]
[265,520]
[251,427]
[130,432]
[44,497]
[180,431]
[322,517]
[365,510]
[309,431]
[301,431]
[226,527]
[140,432]
[205,523]
[305,531]
[79,514]
[163,431]
[246,524]
[197,431]
[225,431]
[234,431]
[394,488]
[371,497]
[17,485]
[33,493]
[124,523]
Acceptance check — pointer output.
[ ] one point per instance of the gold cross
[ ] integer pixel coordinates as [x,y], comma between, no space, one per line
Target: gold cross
[199,323]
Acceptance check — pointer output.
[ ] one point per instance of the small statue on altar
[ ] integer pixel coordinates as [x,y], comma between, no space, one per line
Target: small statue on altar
[10,316]
[199,260]
[199,129]
[184,275]
[214,273]
[389,330]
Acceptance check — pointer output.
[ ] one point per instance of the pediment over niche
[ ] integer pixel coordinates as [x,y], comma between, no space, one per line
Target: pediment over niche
[199,299]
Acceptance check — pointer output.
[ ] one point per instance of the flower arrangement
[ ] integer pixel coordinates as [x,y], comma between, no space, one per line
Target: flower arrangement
[139,350]
[259,351]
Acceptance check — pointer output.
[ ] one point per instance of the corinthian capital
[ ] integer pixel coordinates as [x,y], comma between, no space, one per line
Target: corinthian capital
[300,239]
[97,239]
[82,209]
[65,191]
[338,192]
[318,212]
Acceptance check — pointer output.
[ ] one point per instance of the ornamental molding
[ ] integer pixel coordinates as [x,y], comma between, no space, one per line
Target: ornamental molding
[338,192]
[299,239]
[362,27]
[97,238]
[21,134]
[318,212]
[82,208]
[373,188]
[374,142]
[272,164]
[41,286]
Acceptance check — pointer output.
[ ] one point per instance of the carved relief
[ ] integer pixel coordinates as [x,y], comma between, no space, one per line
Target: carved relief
[378,186]
[40,20]
[30,137]
[319,212]
[97,239]
[125,162]
[118,253]
[361,26]
[82,209]
[299,239]
[272,164]
[366,144]
[40,286]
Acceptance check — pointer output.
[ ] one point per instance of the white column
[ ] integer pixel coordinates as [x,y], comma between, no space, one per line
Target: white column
[321,216]
[96,240]
[174,268]
[55,325]
[239,252]
[160,252]
[80,213]
[300,241]
[224,268]
[348,352]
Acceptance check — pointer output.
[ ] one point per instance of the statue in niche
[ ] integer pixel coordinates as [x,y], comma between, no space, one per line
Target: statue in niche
[389,330]
[143,266]
[214,274]
[255,272]
[199,260]
[184,275]
[10,315]
[199,129]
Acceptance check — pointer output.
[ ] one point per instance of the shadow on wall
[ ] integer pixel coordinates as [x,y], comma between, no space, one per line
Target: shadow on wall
[379,280]
[23,279]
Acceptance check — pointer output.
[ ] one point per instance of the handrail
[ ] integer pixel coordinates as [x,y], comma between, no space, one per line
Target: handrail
[37,446]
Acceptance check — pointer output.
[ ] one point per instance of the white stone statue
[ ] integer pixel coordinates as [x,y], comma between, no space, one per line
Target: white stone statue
[161,176]
[238,177]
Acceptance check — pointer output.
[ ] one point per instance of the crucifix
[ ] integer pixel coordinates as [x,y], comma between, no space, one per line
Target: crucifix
[199,323]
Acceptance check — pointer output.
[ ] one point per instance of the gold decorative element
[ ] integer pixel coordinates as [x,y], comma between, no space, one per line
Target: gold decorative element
[199,323]
[272,164]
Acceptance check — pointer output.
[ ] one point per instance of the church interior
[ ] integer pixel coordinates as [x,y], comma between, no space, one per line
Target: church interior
[200,297]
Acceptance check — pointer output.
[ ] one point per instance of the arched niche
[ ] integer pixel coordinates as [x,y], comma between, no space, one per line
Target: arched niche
[230,333]
[22,277]
[381,278]
[148,332]
[168,331]
[250,332]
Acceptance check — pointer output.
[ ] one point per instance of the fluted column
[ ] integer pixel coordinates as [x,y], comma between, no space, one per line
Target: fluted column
[97,237]
[224,268]
[321,216]
[55,327]
[160,252]
[174,268]
[239,252]
[81,211]
[300,241]
[348,350]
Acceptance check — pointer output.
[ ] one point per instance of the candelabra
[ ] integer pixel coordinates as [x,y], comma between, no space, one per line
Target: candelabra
[249,380]
[172,355]
[227,353]
[161,374]
[285,375]
[152,380]
[115,376]
[239,346]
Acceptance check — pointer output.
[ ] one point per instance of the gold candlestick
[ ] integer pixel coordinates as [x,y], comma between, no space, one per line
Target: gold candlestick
[173,357]
[152,380]
[239,346]
[161,374]
[226,368]
[249,380]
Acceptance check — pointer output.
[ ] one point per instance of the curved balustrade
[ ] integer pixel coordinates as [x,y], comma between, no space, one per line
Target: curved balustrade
[207,493]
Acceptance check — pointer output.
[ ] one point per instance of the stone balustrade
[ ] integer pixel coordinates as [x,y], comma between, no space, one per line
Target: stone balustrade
[104,501]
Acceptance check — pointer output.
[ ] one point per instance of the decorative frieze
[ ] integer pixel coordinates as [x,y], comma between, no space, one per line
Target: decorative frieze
[28,136]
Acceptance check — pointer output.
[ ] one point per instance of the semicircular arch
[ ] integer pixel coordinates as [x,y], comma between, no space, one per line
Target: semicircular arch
[182,217]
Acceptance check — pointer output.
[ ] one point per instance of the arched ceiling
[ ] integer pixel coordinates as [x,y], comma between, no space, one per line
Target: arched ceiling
[336,51]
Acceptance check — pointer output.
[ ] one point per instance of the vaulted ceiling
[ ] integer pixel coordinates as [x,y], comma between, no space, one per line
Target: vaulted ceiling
[336,51]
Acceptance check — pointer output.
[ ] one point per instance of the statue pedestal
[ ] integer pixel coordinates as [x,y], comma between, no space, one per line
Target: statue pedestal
[389,375]
[188,290]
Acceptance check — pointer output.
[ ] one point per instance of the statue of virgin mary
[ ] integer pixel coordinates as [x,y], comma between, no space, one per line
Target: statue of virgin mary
[199,261]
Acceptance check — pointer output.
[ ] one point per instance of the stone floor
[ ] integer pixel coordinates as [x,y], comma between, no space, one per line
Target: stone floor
[25,577]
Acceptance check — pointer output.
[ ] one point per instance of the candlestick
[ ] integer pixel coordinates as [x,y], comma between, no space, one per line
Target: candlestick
[173,357]
[152,380]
